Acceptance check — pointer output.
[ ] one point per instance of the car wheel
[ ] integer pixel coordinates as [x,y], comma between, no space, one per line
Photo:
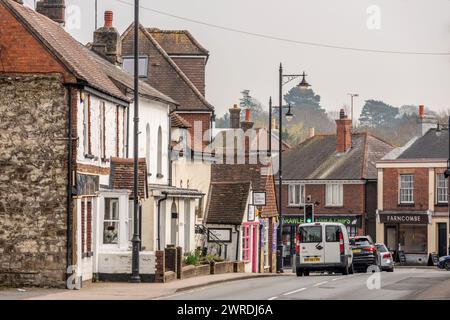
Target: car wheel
[447,265]
[306,273]
[391,269]
[299,272]
[345,270]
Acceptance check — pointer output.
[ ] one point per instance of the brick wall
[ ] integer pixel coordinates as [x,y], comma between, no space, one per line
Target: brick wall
[33,180]
[391,189]
[204,118]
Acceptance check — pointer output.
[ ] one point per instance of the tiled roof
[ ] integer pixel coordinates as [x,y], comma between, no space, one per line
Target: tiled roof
[316,158]
[116,73]
[177,121]
[429,146]
[69,51]
[178,42]
[227,202]
[122,175]
[194,101]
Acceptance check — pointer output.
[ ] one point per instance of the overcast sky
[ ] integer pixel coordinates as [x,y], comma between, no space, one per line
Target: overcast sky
[240,61]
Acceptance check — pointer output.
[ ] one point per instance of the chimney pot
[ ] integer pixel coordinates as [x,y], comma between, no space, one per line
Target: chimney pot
[421,111]
[247,115]
[108,19]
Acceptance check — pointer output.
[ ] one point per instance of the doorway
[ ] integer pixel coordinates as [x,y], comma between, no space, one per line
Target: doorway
[442,239]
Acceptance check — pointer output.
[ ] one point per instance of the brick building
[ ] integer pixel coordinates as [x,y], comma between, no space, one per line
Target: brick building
[412,215]
[174,63]
[338,172]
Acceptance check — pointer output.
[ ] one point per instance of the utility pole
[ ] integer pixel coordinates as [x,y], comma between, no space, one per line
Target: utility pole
[352,95]
[135,277]
[96,10]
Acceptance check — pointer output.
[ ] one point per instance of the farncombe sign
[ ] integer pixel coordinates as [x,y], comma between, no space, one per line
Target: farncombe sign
[404,218]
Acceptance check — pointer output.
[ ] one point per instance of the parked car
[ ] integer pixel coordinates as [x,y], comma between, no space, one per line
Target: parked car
[323,246]
[444,263]
[365,253]
[386,258]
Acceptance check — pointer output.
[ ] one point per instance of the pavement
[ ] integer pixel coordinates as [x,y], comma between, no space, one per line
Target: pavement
[125,291]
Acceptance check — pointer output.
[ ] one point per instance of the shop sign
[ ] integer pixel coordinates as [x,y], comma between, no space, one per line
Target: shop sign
[404,218]
[219,235]
[259,198]
[345,220]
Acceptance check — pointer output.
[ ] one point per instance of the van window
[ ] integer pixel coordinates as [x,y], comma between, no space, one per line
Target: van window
[310,234]
[332,233]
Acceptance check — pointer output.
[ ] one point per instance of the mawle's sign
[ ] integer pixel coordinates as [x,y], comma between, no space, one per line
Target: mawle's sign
[404,218]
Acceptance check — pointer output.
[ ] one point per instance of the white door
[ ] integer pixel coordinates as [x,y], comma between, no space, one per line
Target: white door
[333,239]
[312,248]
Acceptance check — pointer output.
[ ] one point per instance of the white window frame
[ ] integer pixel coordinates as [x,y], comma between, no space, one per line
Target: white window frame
[292,195]
[441,189]
[334,195]
[403,186]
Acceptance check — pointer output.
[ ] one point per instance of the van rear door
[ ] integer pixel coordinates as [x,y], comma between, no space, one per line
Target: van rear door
[334,241]
[312,249]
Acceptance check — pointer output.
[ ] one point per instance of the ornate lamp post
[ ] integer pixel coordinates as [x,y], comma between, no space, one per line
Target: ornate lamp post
[303,85]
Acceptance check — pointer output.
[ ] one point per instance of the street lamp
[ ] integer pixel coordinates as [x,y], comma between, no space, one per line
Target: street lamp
[303,85]
[352,95]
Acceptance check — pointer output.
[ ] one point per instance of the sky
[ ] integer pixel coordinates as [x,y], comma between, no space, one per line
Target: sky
[241,61]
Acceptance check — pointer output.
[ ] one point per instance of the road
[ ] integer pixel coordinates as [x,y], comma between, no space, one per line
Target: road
[404,283]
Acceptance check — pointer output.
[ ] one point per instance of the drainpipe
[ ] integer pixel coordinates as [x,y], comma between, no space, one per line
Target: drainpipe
[159,218]
[69,185]
[236,227]
[169,158]
[128,131]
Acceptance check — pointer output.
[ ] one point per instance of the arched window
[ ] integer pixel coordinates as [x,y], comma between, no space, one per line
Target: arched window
[147,147]
[174,224]
[159,160]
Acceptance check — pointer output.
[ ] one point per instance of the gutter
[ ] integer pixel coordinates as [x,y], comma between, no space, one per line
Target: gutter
[159,218]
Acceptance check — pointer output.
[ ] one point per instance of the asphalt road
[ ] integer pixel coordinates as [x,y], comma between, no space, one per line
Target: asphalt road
[403,283]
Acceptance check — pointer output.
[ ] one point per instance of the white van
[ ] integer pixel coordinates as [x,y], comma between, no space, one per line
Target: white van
[322,246]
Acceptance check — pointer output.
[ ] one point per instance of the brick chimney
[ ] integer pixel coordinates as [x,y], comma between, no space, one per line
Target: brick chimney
[235,115]
[426,121]
[247,124]
[107,41]
[53,9]
[343,132]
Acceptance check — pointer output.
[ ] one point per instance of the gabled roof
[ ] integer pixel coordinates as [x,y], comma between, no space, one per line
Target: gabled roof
[65,48]
[203,105]
[116,73]
[178,42]
[227,202]
[122,175]
[428,146]
[316,158]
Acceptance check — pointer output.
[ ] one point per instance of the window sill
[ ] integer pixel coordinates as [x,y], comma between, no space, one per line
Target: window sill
[295,205]
[406,205]
[333,206]
[441,204]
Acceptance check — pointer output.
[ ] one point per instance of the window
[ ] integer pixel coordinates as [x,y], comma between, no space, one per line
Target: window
[87,125]
[352,231]
[130,225]
[246,243]
[159,159]
[406,188]
[413,238]
[296,194]
[128,66]
[334,194]
[311,234]
[441,188]
[111,221]
[332,233]
[147,147]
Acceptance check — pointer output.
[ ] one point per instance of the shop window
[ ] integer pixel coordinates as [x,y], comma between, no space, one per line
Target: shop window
[406,188]
[413,238]
[296,194]
[246,243]
[334,194]
[111,221]
[352,231]
[441,188]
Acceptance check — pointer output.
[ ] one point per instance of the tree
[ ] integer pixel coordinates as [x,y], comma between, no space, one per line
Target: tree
[378,114]
[303,99]
[223,122]
[248,102]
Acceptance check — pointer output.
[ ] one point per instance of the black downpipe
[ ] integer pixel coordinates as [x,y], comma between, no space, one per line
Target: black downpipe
[128,132]
[237,242]
[169,178]
[69,186]
[159,219]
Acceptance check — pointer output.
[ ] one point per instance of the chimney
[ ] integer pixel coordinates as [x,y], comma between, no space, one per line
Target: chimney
[311,132]
[107,41]
[343,133]
[426,122]
[247,124]
[235,115]
[53,9]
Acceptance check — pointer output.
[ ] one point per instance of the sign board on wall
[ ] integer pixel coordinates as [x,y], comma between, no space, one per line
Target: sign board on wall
[345,220]
[259,198]
[404,218]
[251,213]
[219,234]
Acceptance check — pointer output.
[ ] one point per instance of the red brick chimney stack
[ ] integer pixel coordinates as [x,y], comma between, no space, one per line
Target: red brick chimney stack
[343,133]
[53,9]
[235,115]
[247,124]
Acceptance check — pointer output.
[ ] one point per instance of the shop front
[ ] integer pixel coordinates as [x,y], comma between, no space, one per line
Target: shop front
[353,224]
[406,235]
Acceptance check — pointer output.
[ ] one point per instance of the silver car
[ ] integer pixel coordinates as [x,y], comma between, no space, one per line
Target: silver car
[386,259]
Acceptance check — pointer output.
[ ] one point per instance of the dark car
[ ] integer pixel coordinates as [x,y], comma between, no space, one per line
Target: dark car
[365,253]
[444,263]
